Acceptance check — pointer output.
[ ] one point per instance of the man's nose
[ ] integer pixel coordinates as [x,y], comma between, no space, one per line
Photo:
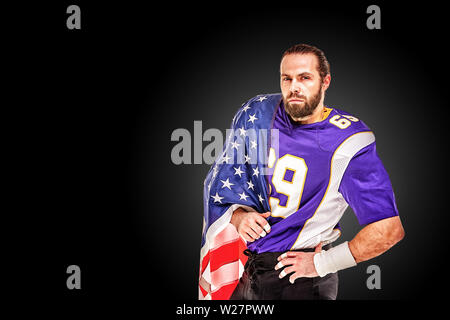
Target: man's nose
[295,87]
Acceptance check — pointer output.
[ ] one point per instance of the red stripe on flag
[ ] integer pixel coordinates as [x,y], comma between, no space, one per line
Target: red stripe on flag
[223,255]
[225,292]
[205,262]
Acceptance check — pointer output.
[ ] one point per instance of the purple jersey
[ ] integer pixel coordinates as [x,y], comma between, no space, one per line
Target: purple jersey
[319,170]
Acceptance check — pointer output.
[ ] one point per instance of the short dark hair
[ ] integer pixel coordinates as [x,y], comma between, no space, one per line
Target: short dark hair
[324,65]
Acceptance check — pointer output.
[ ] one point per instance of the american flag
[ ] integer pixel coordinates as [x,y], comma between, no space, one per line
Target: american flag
[236,179]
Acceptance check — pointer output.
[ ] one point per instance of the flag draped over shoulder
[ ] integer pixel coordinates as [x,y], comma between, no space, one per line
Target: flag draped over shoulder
[236,179]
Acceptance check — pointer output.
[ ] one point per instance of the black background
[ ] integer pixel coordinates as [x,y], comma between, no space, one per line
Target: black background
[95,108]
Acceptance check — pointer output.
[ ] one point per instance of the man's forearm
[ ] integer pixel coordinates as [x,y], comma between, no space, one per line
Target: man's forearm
[376,238]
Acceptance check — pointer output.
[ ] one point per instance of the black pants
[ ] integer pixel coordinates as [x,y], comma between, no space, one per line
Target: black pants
[260,281]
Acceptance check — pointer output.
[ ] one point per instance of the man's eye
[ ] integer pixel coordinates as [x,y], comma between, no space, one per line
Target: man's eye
[286,79]
[306,78]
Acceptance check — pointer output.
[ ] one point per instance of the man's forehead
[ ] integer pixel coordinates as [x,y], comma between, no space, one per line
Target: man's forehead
[297,63]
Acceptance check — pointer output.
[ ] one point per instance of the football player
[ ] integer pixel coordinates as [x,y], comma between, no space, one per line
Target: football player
[326,161]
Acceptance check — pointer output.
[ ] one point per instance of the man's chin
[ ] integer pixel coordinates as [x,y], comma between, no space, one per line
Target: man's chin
[296,107]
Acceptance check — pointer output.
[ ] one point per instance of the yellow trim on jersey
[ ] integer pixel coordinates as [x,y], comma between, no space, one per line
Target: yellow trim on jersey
[326,113]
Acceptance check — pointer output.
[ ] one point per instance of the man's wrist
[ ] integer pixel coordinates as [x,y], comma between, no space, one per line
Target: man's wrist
[237,214]
[334,259]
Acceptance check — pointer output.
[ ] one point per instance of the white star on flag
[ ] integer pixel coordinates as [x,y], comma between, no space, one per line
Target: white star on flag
[247,159]
[227,183]
[252,118]
[260,99]
[243,132]
[253,144]
[246,108]
[243,196]
[217,198]
[250,185]
[226,158]
[255,172]
[235,145]
[260,198]
[238,171]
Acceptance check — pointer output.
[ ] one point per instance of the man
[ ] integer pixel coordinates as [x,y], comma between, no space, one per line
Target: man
[326,160]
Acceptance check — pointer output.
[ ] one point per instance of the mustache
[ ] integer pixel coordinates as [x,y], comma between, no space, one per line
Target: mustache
[295,95]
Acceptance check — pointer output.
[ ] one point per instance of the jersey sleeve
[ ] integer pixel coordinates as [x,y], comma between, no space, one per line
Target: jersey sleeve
[367,188]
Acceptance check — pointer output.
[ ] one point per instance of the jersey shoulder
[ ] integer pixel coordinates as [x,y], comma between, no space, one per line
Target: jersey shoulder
[341,126]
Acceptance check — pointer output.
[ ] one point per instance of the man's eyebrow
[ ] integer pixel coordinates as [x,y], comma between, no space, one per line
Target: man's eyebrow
[300,74]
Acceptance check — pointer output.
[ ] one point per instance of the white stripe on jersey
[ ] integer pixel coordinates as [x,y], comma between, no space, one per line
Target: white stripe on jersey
[319,228]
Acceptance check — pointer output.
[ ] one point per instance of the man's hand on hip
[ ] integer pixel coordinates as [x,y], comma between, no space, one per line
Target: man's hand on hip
[300,264]
[251,225]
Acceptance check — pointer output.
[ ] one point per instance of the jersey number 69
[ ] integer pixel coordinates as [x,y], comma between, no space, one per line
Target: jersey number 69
[291,187]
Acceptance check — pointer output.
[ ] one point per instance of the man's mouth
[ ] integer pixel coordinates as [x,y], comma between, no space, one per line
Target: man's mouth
[296,99]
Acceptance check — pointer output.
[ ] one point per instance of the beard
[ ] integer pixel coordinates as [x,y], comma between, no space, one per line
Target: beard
[302,109]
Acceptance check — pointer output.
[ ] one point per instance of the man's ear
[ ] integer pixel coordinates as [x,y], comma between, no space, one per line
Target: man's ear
[326,82]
